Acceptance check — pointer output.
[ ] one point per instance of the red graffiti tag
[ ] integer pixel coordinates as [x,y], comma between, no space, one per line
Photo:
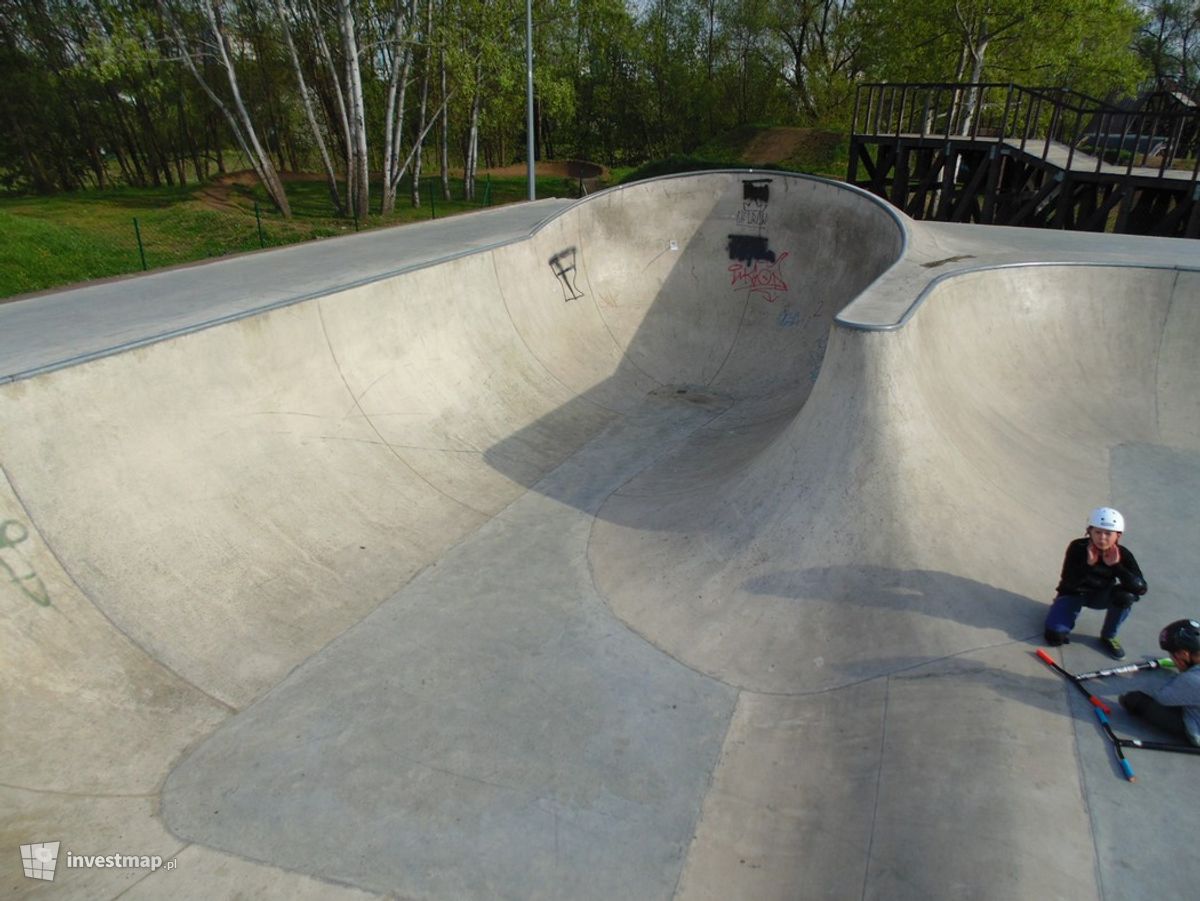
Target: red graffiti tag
[760,278]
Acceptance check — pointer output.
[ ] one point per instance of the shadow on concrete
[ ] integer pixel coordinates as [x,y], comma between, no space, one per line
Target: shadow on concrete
[733,336]
[918,592]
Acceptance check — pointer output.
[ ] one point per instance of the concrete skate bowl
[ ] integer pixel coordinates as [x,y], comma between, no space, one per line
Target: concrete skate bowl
[1010,396]
[188,521]
[712,291]
[480,581]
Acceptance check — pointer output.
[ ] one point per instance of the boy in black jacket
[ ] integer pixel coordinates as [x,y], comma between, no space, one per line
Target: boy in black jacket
[1100,574]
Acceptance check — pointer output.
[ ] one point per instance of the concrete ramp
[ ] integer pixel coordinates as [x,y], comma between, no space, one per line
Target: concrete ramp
[695,545]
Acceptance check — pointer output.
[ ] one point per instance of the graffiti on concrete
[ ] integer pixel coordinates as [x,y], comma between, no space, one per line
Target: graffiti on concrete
[562,264]
[15,567]
[756,194]
[761,277]
[788,318]
[755,267]
[749,248]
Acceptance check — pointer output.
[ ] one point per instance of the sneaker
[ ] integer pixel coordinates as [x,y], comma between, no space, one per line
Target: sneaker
[1113,646]
[1056,639]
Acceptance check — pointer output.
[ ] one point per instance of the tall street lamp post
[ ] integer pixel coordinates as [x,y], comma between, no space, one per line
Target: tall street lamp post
[529,96]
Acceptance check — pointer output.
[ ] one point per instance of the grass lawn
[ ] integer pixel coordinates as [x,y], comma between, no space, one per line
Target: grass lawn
[59,240]
[809,150]
[62,239]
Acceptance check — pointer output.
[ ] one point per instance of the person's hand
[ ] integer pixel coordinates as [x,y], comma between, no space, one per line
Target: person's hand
[1112,555]
[1093,554]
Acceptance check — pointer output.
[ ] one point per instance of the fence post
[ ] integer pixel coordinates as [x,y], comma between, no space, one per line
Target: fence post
[432,200]
[1008,99]
[258,219]
[137,230]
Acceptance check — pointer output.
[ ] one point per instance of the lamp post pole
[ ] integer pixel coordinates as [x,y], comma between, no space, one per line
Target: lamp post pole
[529,148]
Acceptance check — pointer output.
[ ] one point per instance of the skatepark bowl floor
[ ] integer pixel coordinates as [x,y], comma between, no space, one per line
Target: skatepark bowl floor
[692,541]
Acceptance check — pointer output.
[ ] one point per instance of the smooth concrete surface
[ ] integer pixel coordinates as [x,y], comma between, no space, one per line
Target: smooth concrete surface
[61,328]
[693,542]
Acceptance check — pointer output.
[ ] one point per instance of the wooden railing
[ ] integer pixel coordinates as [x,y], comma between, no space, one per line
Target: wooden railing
[1094,133]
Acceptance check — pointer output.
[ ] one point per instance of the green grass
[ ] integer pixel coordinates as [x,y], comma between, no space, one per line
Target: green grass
[37,253]
[50,242]
[826,154]
[813,151]
[63,239]
[729,146]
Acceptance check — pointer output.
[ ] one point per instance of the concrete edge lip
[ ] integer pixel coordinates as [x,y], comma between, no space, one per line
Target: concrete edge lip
[324,291]
[532,230]
[936,281]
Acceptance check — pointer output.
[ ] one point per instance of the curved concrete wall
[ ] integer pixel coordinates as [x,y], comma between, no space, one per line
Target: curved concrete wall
[232,499]
[1000,402]
[386,559]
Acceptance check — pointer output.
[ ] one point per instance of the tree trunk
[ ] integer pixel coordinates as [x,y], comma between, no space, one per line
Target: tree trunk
[126,172]
[424,110]
[330,175]
[472,154]
[360,192]
[214,132]
[240,123]
[139,177]
[260,159]
[341,117]
[156,157]
[33,166]
[977,53]
[393,126]
[98,166]
[276,129]
[445,128]
[186,138]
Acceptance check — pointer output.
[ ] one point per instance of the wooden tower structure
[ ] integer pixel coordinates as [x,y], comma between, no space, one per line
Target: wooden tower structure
[1004,154]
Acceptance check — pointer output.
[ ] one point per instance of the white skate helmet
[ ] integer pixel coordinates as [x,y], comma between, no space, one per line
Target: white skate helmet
[1107,518]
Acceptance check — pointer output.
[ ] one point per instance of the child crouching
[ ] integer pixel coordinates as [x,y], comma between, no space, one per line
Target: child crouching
[1175,707]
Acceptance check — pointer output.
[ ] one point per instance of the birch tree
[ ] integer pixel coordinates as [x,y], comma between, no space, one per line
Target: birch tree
[358,175]
[426,72]
[287,14]
[401,57]
[444,137]
[213,41]
[485,52]
[307,13]
[1080,44]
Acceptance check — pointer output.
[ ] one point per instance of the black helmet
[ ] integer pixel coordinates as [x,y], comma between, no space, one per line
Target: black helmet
[1181,635]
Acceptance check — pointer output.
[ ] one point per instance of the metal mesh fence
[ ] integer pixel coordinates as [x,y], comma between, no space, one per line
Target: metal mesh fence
[62,240]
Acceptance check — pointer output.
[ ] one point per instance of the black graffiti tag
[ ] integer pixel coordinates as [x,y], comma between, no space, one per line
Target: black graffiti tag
[14,565]
[756,194]
[562,264]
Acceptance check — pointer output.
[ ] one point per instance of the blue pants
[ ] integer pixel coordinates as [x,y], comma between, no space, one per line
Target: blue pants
[1065,610]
